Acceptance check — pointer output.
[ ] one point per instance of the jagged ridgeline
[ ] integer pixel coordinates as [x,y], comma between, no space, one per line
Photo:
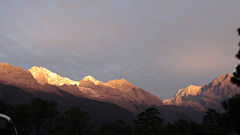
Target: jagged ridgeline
[206,96]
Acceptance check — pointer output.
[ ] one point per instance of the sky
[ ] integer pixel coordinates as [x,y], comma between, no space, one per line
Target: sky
[160,46]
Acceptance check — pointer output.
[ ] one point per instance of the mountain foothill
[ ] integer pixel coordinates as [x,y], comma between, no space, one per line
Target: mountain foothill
[115,99]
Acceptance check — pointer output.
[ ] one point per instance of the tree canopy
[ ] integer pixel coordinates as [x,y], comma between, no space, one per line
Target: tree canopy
[148,122]
[236,79]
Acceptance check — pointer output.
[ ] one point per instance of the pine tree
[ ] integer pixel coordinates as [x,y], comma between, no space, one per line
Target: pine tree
[236,79]
[233,111]
[148,122]
[77,121]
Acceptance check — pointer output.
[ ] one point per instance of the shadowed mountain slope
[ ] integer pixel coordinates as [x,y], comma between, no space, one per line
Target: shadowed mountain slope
[100,112]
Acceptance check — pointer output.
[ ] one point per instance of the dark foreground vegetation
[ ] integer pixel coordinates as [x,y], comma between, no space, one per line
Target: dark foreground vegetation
[42,117]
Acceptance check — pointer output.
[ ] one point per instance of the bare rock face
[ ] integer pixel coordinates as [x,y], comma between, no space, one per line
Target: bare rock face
[16,76]
[205,96]
[91,79]
[123,84]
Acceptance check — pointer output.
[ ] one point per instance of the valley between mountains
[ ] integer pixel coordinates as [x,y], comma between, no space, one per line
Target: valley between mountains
[115,99]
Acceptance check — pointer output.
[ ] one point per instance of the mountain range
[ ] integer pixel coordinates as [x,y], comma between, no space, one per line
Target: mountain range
[205,96]
[115,99]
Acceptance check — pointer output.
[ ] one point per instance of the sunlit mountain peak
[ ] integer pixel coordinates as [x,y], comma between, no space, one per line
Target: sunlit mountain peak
[43,75]
[90,78]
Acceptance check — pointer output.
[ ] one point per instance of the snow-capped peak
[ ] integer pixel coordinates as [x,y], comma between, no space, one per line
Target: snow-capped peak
[90,78]
[43,75]
[190,90]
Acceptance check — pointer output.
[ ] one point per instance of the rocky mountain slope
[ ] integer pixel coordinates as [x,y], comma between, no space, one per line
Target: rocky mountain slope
[119,92]
[205,96]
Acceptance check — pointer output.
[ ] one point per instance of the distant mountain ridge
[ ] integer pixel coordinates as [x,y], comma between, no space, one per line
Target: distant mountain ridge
[205,96]
[119,92]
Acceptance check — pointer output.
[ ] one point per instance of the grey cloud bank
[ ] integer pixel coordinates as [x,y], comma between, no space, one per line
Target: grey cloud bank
[160,46]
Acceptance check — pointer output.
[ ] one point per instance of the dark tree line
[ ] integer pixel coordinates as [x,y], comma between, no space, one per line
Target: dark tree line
[42,117]
[214,123]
